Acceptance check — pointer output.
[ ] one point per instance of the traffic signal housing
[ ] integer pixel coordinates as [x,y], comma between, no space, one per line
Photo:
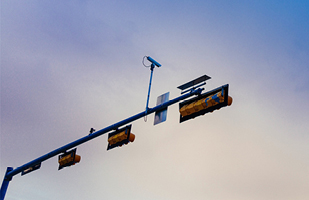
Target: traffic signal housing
[120,137]
[68,158]
[204,103]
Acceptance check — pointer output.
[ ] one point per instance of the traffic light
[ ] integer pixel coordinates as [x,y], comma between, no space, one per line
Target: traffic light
[204,103]
[68,158]
[120,137]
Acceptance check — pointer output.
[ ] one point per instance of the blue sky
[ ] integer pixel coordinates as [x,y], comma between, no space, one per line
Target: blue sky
[67,66]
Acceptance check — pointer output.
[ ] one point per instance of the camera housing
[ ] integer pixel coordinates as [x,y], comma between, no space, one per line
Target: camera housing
[153,61]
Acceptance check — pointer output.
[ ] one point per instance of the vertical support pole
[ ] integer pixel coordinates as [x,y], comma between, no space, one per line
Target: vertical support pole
[5,183]
[151,69]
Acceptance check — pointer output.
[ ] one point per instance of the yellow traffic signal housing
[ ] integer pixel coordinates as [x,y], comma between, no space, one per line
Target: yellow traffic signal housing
[120,137]
[204,103]
[67,159]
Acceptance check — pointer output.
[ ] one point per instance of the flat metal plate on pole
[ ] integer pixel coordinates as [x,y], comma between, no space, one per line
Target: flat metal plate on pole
[160,116]
[194,82]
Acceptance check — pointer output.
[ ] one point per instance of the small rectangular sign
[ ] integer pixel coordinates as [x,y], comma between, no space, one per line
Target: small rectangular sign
[194,82]
[31,169]
[160,116]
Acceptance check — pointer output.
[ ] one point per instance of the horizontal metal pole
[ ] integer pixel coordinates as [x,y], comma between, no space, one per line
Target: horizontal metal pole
[98,133]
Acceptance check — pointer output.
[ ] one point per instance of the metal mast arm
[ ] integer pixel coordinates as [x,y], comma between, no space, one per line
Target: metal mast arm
[82,140]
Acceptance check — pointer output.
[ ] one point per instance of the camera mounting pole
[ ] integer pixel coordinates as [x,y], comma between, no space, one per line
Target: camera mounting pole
[152,66]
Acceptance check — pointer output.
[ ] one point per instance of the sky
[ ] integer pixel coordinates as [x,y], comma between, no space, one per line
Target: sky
[68,66]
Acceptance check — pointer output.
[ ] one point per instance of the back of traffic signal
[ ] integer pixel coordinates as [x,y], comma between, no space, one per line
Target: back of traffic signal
[68,158]
[120,137]
[205,103]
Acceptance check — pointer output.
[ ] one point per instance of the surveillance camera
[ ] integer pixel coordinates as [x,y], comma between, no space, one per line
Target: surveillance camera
[153,61]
